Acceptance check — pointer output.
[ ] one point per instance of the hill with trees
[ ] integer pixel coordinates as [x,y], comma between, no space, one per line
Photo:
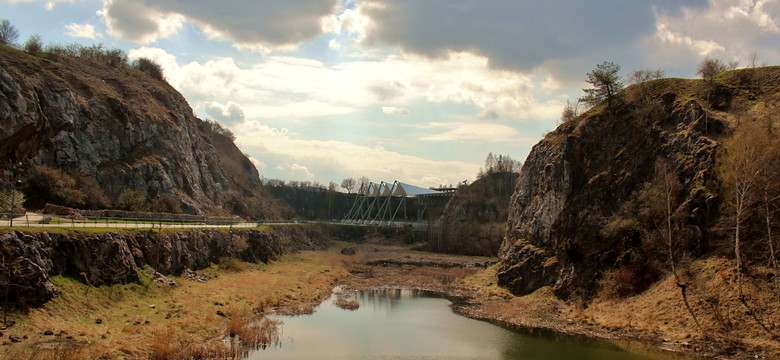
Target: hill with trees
[671,182]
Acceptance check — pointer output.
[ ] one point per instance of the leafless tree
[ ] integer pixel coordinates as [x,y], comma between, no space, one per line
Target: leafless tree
[740,169]
[349,184]
[8,33]
[645,75]
[661,196]
[710,67]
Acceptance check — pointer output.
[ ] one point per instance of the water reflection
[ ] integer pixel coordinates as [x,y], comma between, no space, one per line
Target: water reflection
[409,324]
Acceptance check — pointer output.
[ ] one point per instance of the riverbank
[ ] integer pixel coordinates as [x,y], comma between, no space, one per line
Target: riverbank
[649,322]
[198,314]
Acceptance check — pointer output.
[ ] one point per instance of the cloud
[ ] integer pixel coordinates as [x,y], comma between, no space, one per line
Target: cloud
[229,115]
[300,171]
[245,22]
[731,29]
[471,133]
[357,160]
[86,31]
[259,165]
[392,110]
[291,87]
[518,35]
[135,21]
[49,3]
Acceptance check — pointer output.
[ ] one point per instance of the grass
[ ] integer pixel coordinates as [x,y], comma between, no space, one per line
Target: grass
[136,321]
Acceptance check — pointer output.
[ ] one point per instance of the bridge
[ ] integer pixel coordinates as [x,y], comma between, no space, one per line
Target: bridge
[380,204]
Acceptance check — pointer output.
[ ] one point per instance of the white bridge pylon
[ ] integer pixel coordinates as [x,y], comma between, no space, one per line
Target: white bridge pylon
[374,203]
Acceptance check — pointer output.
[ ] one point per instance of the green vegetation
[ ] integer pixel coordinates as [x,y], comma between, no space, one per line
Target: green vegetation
[606,84]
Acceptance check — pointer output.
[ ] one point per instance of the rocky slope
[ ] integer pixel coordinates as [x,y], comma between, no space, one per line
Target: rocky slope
[473,222]
[114,125]
[576,213]
[29,260]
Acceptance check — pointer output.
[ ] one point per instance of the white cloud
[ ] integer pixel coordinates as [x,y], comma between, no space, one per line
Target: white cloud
[86,31]
[228,115]
[374,162]
[471,133]
[49,3]
[730,29]
[259,165]
[300,171]
[392,110]
[283,86]
[702,47]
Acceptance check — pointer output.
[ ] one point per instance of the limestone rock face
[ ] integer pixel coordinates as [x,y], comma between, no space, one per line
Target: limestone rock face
[115,125]
[28,261]
[579,178]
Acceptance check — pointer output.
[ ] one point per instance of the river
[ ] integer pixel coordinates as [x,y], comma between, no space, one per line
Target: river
[410,324]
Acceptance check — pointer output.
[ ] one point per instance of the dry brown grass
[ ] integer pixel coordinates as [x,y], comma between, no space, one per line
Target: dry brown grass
[180,322]
[715,300]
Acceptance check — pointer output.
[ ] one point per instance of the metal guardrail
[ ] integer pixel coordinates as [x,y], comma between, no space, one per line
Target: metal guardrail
[69,221]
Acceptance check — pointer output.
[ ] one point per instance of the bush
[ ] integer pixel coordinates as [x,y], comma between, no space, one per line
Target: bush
[47,185]
[628,280]
[131,200]
[33,45]
[150,67]
[228,263]
[166,204]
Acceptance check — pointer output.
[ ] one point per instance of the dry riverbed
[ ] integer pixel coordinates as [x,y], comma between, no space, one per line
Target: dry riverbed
[200,313]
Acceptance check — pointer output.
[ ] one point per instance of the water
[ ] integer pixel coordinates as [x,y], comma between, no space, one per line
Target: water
[409,324]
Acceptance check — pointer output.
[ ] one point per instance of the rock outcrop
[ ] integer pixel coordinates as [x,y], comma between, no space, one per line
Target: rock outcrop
[29,260]
[565,227]
[112,124]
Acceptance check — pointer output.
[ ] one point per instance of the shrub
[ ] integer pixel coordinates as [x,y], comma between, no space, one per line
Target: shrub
[44,184]
[229,263]
[150,67]
[166,204]
[33,45]
[131,200]
[628,280]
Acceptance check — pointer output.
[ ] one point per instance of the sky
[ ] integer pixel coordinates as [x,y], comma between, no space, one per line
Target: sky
[408,90]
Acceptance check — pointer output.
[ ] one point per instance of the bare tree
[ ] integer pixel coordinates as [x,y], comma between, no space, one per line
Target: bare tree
[740,168]
[363,181]
[710,67]
[570,111]
[661,196]
[349,184]
[8,33]
[645,75]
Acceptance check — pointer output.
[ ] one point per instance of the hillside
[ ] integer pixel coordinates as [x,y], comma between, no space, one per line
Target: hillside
[88,131]
[631,208]
[474,220]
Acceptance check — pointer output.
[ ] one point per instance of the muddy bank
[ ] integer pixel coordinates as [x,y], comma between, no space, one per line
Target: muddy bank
[28,260]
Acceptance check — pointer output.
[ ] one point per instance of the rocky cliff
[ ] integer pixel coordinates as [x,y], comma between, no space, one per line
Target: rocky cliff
[29,260]
[473,221]
[575,211]
[113,125]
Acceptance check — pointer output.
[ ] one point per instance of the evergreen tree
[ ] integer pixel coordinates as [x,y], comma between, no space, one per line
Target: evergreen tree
[606,83]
